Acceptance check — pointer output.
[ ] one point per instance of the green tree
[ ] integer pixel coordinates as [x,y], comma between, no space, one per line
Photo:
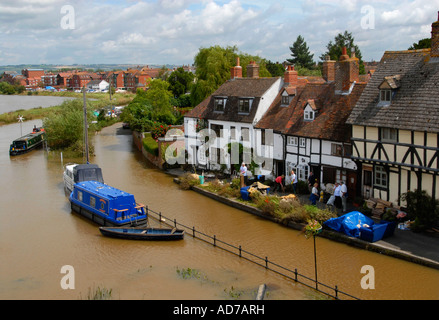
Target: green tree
[421,208]
[65,128]
[276,69]
[180,82]
[158,96]
[334,49]
[301,55]
[213,69]
[422,44]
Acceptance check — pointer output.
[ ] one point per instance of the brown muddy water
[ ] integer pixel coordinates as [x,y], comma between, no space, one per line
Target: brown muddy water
[39,235]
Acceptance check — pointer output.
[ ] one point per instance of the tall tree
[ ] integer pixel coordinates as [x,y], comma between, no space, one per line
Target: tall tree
[301,55]
[180,81]
[213,69]
[334,49]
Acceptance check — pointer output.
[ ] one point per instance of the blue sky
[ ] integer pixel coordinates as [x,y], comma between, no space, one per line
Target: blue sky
[172,31]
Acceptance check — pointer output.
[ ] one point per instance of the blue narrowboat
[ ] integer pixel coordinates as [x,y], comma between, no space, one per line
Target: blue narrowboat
[106,205]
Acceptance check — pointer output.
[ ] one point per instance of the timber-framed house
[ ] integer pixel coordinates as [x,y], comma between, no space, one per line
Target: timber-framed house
[395,125]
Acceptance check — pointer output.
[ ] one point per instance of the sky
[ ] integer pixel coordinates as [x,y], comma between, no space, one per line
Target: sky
[172,31]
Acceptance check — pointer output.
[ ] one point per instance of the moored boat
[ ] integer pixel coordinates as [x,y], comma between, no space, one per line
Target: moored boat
[28,142]
[158,234]
[106,205]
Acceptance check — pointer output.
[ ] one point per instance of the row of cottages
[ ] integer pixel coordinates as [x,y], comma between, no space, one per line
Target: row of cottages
[396,125]
[289,123]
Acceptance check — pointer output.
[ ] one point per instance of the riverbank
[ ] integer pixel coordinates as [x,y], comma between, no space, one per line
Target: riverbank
[404,244]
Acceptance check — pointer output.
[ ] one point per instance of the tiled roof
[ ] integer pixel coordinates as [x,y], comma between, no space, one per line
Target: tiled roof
[332,110]
[233,90]
[415,105]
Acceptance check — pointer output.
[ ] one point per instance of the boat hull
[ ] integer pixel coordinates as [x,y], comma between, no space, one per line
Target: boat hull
[102,221]
[150,234]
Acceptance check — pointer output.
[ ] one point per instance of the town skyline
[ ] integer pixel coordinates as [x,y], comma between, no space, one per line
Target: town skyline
[172,31]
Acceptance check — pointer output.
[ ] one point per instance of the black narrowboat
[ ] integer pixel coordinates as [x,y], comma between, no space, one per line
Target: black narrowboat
[28,142]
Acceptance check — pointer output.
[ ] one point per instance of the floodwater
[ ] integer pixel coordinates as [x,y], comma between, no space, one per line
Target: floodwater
[39,235]
[15,102]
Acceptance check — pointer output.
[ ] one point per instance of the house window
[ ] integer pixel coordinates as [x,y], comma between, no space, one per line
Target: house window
[385,95]
[232,133]
[285,100]
[292,141]
[389,134]
[245,134]
[244,105]
[218,129]
[302,142]
[380,177]
[219,104]
[336,149]
[309,115]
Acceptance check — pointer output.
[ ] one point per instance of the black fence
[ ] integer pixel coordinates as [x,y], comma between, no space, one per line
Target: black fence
[293,275]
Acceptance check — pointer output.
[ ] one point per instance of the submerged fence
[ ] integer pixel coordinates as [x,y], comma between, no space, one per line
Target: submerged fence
[293,275]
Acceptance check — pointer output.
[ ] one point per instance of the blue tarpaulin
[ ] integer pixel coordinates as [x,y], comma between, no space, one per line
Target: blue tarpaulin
[348,223]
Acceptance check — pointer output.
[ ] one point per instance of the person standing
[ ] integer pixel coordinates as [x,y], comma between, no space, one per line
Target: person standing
[314,194]
[344,195]
[243,174]
[331,201]
[337,195]
[294,181]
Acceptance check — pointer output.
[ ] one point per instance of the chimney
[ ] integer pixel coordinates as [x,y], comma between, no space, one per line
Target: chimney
[435,38]
[328,71]
[290,77]
[347,71]
[236,71]
[252,70]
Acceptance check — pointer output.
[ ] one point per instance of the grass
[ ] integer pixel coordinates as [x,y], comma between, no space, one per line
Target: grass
[95,100]
[150,144]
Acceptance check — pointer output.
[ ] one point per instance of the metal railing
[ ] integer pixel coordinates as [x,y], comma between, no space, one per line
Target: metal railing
[293,275]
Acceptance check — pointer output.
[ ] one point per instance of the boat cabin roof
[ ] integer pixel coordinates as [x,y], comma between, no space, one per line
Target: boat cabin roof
[85,172]
[103,190]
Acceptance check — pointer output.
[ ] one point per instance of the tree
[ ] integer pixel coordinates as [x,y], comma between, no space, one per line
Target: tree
[213,69]
[334,49]
[275,69]
[180,82]
[158,96]
[422,44]
[301,55]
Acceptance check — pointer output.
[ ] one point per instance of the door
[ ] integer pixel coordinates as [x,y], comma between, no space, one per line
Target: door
[351,183]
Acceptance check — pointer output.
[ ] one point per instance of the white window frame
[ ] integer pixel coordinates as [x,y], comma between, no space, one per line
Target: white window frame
[292,141]
[308,115]
[380,177]
[302,142]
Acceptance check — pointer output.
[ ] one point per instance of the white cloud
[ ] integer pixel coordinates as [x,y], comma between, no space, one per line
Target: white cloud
[172,31]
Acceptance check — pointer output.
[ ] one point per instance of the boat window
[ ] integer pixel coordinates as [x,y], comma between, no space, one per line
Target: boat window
[92,202]
[102,206]
[80,195]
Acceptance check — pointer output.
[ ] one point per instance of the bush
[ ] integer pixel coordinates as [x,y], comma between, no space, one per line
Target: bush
[421,208]
[150,144]
[188,180]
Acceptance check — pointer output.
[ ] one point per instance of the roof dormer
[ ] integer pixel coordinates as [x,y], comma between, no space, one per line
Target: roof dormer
[388,89]
[310,110]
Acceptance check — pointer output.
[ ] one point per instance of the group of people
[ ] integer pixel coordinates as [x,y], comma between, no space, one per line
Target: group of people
[339,196]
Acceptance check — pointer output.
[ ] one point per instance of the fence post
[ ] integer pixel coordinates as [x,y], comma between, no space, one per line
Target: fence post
[193,232]
[214,240]
[295,274]
[266,263]
[175,223]
[160,216]
[336,292]
[240,251]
